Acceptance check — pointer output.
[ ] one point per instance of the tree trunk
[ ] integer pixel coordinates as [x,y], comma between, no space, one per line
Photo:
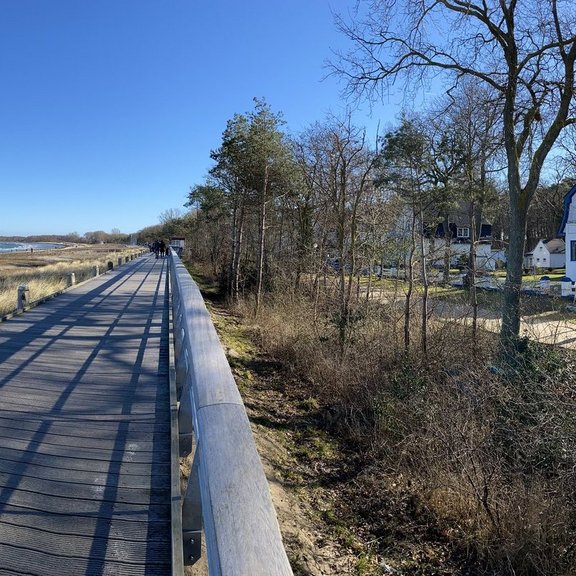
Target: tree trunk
[424,335]
[518,219]
[230,286]
[409,272]
[238,260]
[472,277]
[511,305]
[261,243]
[237,238]
[447,250]
[369,286]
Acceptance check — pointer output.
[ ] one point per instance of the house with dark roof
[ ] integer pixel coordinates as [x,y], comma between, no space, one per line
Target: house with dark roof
[459,231]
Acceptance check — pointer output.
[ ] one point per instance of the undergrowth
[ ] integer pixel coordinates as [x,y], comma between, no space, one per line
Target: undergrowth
[462,469]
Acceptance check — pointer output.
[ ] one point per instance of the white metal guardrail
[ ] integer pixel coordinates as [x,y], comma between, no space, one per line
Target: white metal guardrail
[227,494]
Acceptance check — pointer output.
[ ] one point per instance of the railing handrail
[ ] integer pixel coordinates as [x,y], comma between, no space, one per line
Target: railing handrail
[240,524]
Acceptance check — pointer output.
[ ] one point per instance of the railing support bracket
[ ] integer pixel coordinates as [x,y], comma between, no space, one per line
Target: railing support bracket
[192,544]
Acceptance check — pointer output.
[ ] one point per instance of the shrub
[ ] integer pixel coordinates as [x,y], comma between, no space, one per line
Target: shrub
[490,456]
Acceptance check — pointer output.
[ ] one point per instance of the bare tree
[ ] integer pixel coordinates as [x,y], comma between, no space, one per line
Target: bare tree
[340,162]
[524,51]
[475,119]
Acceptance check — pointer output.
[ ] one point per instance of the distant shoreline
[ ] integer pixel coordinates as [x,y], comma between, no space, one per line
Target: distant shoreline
[16,246]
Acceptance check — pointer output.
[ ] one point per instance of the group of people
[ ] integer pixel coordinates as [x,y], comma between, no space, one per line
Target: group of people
[159,248]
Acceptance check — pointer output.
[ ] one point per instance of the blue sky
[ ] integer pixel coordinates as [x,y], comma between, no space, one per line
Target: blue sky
[109,108]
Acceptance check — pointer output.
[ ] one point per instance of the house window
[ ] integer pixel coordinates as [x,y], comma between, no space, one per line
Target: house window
[463,232]
[573,250]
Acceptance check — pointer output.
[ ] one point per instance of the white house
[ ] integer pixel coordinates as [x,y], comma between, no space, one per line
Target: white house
[546,254]
[460,238]
[568,230]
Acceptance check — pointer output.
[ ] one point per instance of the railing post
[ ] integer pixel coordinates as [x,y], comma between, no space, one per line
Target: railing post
[96,270]
[185,419]
[183,365]
[23,297]
[71,279]
[192,515]
[110,265]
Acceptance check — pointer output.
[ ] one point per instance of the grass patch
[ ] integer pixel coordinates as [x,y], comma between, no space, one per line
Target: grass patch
[47,273]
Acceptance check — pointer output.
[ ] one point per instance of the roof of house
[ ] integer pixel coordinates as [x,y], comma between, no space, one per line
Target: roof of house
[567,202]
[555,246]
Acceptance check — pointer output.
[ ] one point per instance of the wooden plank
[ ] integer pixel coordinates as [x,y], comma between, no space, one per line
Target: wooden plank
[117,452]
[103,440]
[80,546]
[85,431]
[70,489]
[133,424]
[20,560]
[71,463]
[78,525]
[90,477]
[101,506]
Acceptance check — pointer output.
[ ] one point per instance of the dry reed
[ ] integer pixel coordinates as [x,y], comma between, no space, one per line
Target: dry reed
[46,273]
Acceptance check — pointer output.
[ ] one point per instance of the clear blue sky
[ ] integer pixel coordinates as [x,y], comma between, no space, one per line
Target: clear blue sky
[109,108]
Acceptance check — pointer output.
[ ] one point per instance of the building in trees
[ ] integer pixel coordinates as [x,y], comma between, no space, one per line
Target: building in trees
[546,254]
[458,228]
[524,53]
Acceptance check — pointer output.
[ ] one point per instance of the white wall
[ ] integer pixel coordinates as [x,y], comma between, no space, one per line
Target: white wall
[570,232]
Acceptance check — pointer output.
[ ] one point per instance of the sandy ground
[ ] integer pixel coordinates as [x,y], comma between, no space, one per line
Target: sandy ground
[546,327]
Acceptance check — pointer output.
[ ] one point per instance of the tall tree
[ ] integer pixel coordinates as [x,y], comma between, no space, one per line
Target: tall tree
[227,174]
[525,51]
[252,168]
[210,215]
[446,158]
[337,164]
[472,116]
[545,213]
[268,168]
[405,165]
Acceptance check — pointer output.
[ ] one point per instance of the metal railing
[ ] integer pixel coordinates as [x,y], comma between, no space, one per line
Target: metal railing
[227,493]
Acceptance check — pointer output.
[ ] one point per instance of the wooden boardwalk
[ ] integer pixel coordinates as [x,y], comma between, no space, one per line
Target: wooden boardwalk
[85,430]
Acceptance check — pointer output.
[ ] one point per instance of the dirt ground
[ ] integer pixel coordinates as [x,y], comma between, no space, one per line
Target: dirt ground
[312,548]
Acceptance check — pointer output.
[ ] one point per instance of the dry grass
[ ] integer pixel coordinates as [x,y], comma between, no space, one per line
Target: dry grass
[486,460]
[46,272]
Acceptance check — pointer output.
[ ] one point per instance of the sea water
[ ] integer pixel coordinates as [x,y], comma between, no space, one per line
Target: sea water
[27,246]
